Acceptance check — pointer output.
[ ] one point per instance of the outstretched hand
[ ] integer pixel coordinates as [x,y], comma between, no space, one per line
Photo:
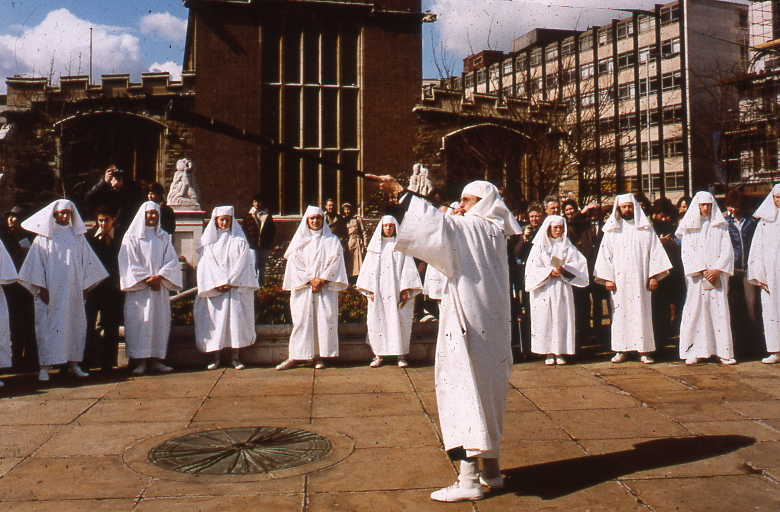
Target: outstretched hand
[387,184]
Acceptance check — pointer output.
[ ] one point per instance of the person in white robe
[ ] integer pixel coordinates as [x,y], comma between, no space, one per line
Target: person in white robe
[554,265]
[148,272]
[8,275]
[59,270]
[315,274]
[630,262]
[473,349]
[764,270]
[708,261]
[225,305]
[390,281]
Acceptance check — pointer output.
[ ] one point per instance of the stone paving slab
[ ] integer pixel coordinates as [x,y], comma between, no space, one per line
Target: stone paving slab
[595,436]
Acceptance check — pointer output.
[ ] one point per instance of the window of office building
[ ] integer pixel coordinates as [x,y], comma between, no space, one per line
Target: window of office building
[508,67]
[626,91]
[605,36]
[552,80]
[673,115]
[670,47]
[568,47]
[629,152]
[520,90]
[536,57]
[569,76]
[606,95]
[551,54]
[588,99]
[311,101]
[671,81]
[626,60]
[647,52]
[494,72]
[605,66]
[670,13]
[627,122]
[646,24]
[586,42]
[481,75]
[674,147]
[469,80]
[521,63]
[586,71]
[625,30]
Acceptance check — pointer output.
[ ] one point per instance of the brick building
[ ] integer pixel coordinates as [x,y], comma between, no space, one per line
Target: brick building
[337,79]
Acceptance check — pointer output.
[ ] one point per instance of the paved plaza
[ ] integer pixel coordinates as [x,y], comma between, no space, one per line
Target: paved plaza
[595,437]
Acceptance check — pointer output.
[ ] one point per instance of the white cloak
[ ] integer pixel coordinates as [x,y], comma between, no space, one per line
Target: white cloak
[705,327]
[764,267]
[551,298]
[146,252]
[473,353]
[315,316]
[384,274]
[66,266]
[8,275]
[225,319]
[629,255]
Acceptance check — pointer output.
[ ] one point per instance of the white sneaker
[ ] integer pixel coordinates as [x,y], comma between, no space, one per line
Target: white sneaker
[493,483]
[455,493]
[140,369]
[646,359]
[723,360]
[238,365]
[376,363]
[319,365]
[560,360]
[550,361]
[402,362]
[213,366]
[772,359]
[620,357]
[43,376]
[286,364]
[77,371]
[691,361]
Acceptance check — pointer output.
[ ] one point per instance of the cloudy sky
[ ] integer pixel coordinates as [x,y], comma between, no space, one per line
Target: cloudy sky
[51,37]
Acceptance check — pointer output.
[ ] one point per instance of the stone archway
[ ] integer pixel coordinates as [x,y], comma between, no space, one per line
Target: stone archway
[484,152]
[90,143]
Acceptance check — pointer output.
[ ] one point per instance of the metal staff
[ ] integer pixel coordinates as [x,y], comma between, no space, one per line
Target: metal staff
[183,115]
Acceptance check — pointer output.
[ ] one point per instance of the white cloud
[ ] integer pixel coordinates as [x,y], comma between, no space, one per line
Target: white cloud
[59,45]
[171,67]
[164,25]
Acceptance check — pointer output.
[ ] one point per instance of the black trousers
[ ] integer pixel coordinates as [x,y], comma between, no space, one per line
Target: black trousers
[107,300]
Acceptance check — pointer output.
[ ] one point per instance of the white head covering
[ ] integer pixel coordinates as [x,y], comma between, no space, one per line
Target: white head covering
[768,210]
[692,218]
[42,223]
[640,219]
[375,245]
[211,233]
[138,227]
[491,207]
[303,234]
[542,237]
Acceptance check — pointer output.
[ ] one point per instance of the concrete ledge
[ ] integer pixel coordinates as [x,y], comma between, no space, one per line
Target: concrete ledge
[272,342]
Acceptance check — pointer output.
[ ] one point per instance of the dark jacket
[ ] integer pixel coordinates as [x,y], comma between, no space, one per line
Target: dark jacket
[262,239]
[741,239]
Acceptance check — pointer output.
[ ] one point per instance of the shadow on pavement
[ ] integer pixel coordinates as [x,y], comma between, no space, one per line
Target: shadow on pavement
[551,480]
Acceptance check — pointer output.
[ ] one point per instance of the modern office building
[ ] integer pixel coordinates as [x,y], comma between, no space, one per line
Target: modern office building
[645,107]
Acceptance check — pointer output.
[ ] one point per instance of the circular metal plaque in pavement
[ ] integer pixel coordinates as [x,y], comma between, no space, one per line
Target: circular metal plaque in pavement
[240,451]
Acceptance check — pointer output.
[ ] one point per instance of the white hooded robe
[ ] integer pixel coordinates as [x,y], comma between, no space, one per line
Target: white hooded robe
[705,327]
[60,260]
[473,353]
[146,252]
[552,300]
[8,275]
[764,267]
[629,255]
[384,274]
[225,319]
[315,316]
